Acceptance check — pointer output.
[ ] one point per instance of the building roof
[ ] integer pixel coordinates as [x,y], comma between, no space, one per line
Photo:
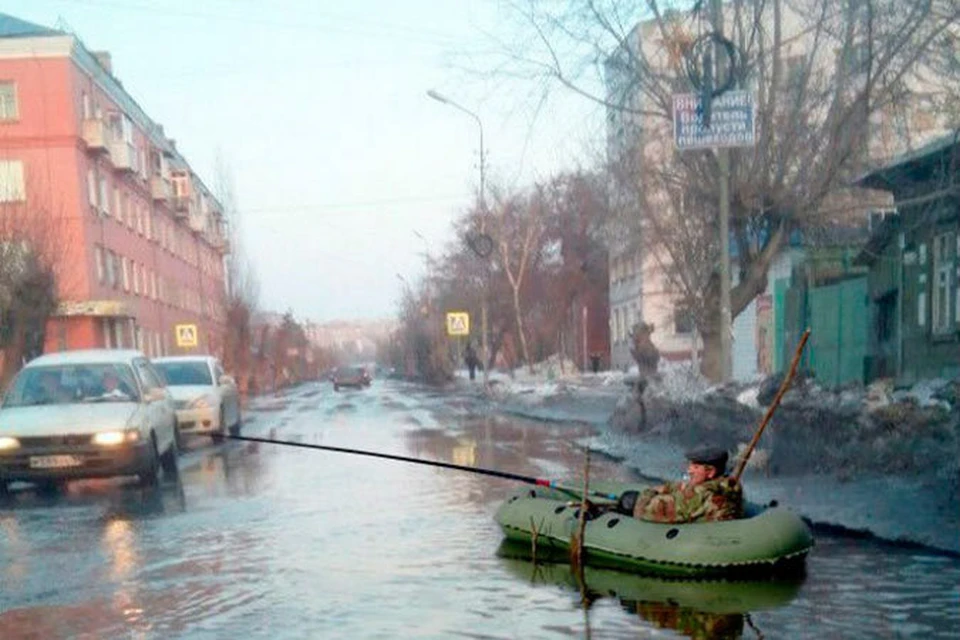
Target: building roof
[11,27]
[909,164]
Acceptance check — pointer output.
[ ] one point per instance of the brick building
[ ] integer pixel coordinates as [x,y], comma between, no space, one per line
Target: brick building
[140,240]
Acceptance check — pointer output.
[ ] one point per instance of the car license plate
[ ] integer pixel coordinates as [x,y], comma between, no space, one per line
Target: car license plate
[54,462]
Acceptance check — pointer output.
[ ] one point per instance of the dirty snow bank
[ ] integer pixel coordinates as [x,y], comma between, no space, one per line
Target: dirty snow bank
[867,459]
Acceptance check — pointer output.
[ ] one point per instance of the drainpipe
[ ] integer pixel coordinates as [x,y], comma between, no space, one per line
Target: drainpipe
[901,243]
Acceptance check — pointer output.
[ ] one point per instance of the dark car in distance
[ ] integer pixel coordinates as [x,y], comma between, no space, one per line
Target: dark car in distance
[356,377]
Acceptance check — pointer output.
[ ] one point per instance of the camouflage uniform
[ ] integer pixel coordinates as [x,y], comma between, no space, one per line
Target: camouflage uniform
[697,625]
[710,501]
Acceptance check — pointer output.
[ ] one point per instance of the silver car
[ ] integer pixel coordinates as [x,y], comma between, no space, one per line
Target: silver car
[206,397]
[87,414]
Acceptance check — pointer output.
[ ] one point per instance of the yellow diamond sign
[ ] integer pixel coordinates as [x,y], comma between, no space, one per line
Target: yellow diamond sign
[458,323]
[186,335]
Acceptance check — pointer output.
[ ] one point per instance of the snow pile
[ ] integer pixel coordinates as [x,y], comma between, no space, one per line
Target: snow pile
[679,382]
[926,393]
[748,397]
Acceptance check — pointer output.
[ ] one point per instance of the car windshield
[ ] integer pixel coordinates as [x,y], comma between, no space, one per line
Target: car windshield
[71,384]
[194,372]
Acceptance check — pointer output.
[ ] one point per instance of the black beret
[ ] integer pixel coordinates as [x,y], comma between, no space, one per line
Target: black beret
[713,456]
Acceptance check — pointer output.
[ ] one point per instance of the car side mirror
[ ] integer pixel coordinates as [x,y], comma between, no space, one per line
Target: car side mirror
[227,380]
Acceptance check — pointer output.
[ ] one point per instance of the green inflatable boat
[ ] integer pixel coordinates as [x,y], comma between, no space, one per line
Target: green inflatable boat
[710,596]
[768,540]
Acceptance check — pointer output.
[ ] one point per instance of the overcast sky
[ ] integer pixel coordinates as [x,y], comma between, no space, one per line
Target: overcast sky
[339,158]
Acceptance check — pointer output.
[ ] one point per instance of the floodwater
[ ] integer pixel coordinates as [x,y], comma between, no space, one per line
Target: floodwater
[265,541]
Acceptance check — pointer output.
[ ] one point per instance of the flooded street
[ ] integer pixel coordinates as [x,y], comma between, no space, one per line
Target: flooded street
[259,541]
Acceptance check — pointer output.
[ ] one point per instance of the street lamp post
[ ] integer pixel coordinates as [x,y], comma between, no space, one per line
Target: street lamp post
[483,228]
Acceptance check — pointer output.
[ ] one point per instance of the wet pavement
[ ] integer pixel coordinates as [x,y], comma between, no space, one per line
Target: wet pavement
[258,540]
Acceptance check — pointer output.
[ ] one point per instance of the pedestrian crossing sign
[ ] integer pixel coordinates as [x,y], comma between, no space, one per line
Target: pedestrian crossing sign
[186,335]
[458,323]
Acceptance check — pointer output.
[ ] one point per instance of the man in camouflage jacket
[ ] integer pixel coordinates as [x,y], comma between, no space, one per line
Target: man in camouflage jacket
[707,496]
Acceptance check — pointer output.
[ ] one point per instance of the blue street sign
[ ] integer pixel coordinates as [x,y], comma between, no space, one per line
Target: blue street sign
[732,121]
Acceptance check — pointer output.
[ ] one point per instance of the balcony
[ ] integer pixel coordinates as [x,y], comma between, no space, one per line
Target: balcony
[160,188]
[221,244]
[123,156]
[94,133]
[197,224]
[181,207]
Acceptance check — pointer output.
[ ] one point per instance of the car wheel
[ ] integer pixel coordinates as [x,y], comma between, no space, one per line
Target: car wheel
[4,490]
[168,461]
[149,474]
[178,438]
[222,429]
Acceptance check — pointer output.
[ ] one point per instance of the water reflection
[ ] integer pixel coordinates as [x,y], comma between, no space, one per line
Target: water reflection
[233,468]
[699,609]
[511,445]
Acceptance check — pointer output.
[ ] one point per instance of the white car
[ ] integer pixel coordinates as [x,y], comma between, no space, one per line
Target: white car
[87,414]
[207,399]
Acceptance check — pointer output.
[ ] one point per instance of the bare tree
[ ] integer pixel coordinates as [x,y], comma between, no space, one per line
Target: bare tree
[518,229]
[243,289]
[36,243]
[837,84]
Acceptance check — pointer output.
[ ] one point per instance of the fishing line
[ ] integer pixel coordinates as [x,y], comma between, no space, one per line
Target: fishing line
[540,482]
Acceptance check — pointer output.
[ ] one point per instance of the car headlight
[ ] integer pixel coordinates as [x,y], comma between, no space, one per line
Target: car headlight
[7,443]
[112,438]
[202,402]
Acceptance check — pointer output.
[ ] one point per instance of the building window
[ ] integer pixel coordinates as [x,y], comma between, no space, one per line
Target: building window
[92,188]
[85,102]
[136,278]
[107,333]
[11,181]
[794,70]
[856,59]
[118,334]
[125,266]
[153,285]
[943,287]
[98,258]
[683,321]
[117,210]
[111,268]
[104,195]
[8,101]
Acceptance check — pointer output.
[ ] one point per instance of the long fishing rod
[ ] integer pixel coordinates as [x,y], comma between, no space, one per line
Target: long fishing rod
[540,482]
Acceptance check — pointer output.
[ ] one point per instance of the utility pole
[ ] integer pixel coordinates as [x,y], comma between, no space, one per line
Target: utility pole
[484,351]
[723,163]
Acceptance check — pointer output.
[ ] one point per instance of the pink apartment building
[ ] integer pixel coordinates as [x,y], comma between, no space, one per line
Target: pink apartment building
[140,240]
